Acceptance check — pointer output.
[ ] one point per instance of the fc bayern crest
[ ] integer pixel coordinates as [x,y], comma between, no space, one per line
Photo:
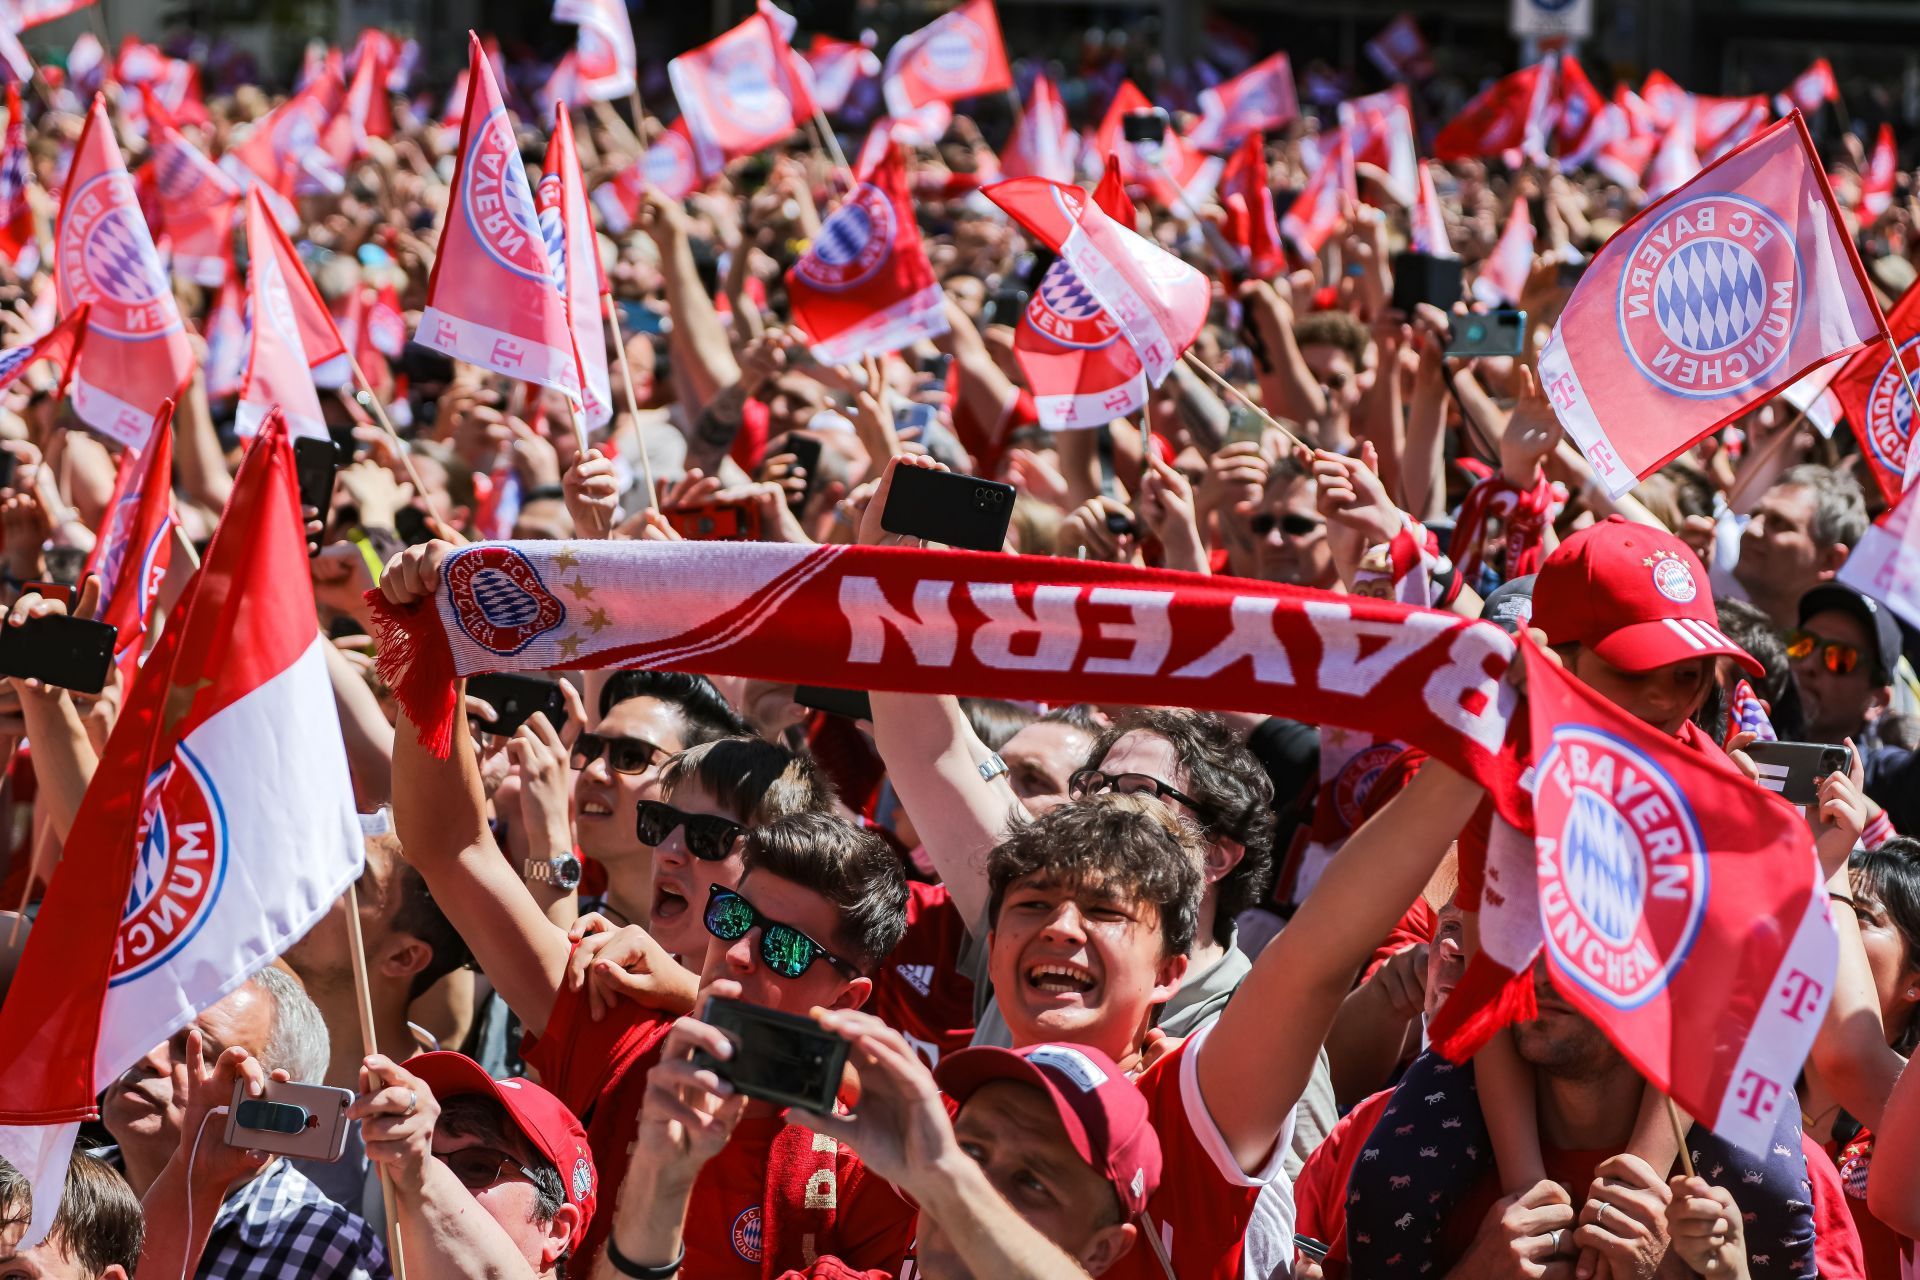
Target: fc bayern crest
[1355,782]
[499,600]
[853,244]
[553,228]
[669,164]
[1065,312]
[1890,412]
[106,258]
[746,1233]
[499,203]
[182,864]
[1711,296]
[175,171]
[1623,869]
[750,89]
[955,56]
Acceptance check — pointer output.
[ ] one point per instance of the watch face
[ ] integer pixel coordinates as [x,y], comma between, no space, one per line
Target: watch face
[566,871]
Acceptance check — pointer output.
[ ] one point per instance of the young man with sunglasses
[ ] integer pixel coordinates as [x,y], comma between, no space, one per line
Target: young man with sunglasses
[1844,653]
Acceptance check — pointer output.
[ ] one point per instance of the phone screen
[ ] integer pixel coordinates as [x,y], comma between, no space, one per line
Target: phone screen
[777,1057]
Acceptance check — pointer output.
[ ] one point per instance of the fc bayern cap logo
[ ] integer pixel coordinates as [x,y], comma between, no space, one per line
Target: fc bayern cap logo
[1672,578]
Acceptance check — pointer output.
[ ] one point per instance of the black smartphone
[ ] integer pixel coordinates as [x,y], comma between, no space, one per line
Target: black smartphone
[1421,277]
[854,704]
[314,462]
[9,464]
[1492,333]
[1794,769]
[516,698]
[937,366]
[1315,1249]
[73,653]
[411,524]
[1120,526]
[948,507]
[806,456]
[1146,125]
[1005,306]
[777,1057]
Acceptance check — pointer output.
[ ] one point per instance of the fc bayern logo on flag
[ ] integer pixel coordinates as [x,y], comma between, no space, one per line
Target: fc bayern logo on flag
[668,163]
[1890,412]
[956,54]
[553,227]
[175,172]
[182,864]
[749,93]
[106,258]
[499,600]
[1711,296]
[498,202]
[852,244]
[1064,311]
[1623,868]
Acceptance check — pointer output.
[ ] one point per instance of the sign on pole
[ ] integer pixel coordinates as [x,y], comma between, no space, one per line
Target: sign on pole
[1573,18]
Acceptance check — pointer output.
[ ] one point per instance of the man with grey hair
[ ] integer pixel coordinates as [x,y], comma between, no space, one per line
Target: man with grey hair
[1798,537]
[277,1222]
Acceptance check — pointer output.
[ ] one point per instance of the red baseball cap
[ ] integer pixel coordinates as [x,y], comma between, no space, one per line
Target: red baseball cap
[1105,1116]
[1635,595]
[544,1120]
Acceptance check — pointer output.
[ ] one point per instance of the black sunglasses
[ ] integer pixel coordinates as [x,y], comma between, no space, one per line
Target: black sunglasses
[1091,782]
[783,948]
[709,836]
[481,1167]
[624,755]
[1293,526]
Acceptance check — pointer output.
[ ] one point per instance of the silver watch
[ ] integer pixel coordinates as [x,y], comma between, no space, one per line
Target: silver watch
[992,767]
[562,872]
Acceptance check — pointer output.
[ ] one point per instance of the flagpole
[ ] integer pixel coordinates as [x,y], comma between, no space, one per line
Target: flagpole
[1679,1134]
[1222,249]
[633,401]
[369,1044]
[833,144]
[399,445]
[1195,362]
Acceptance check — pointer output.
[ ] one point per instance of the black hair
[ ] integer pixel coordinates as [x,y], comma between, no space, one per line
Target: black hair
[757,780]
[1890,875]
[852,868]
[995,720]
[706,714]
[418,915]
[474,1115]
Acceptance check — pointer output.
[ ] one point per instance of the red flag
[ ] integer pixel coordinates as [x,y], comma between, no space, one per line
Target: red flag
[1246,177]
[1886,564]
[242,838]
[1706,304]
[31,13]
[1043,143]
[1158,301]
[1582,122]
[1429,230]
[369,110]
[58,345]
[1080,372]
[1810,89]
[496,305]
[1380,127]
[137,353]
[742,91]
[865,286]
[1170,173]
[1259,98]
[1680,907]
[957,55]
[1721,124]
[837,66]
[1874,397]
[1640,117]
[1876,184]
[1400,51]
[1503,115]
[604,56]
[1318,211]
[669,165]
[19,234]
[198,201]
[1503,276]
[227,339]
[1676,162]
[1665,99]
[1625,160]
[286,311]
[575,258]
[136,541]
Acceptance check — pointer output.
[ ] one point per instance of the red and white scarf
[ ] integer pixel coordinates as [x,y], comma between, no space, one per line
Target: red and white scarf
[1525,515]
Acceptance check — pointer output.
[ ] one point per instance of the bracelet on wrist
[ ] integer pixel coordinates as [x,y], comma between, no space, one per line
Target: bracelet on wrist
[628,1267]
[1841,897]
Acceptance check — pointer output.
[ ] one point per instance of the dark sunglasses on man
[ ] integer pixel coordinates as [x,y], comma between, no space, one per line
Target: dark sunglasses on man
[1834,655]
[710,837]
[623,755]
[481,1167]
[1294,526]
[784,949]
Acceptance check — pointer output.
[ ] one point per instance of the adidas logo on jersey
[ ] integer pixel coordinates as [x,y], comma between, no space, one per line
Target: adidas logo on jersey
[920,976]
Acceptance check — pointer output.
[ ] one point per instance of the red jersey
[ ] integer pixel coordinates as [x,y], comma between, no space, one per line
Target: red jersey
[599,1069]
[921,990]
[1887,1254]
[1205,1205]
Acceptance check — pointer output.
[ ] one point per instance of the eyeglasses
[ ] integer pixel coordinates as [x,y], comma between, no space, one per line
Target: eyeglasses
[1292,525]
[1091,782]
[624,755]
[1836,657]
[481,1167]
[783,948]
[709,836]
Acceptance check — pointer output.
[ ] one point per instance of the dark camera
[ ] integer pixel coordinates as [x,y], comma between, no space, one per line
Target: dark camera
[272,1117]
[1119,526]
[987,499]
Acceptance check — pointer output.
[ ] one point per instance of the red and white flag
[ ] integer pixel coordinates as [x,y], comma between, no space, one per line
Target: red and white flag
[957,55]
[1664,98]
[1159,302]
[1400,51]
[1503,276]
[1043,144]
[1511,112]
[1706,304]
[865,287]
[1641,118]
[669,165]
[173,893]
[1169,172]
[742,91]
[22,14]
[1675,163]
[491,300]
[1320,209]
[1874,397]
[19,233]
[59,345]
[369,109]
[1876,184]
[1813,396]
[197,199]
[575,257]
[1721,124]
[227,339]
[292,332]
[1245,179]
[1886,564]
[296,148]
[1810,90]
[1259,98]
[1583,119]
[1380,127]
[137,353]
[1625,160]
[136,542]
[837,66]
[1429,230]
[1081,373]
[604,51]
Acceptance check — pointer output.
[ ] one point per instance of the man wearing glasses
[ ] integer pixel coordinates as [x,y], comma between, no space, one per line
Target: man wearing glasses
[1844,653]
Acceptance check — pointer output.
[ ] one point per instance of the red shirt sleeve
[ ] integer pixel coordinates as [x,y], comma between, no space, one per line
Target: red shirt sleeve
[750,442]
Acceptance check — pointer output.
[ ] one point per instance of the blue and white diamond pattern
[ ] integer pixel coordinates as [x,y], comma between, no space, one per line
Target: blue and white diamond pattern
[1065,295]
[1605,871]
[1710,296]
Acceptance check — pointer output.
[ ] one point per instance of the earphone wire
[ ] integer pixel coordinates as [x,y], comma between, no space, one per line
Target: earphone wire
[193,1154]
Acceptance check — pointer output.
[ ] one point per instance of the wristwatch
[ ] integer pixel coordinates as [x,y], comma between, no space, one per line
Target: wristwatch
[562,872]
[992,767]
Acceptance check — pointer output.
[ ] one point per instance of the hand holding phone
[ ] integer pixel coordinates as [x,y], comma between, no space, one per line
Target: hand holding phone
[777,1057]
[306,1121]
[1494,333]
[516,698]
[948,507]
[1794,770]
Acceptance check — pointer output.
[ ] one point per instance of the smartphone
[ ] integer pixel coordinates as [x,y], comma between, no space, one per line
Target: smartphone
[1146,125]
[61,591]
[1315,1249]
[1494,333]
[637,317]
[516,698]
[1243,424]
[948,507]
[917,417]
[806,455]
[306,1121]
[716,522]
[938,367]
[411,524]
[1120,526]
[1794,769]
[64,564]
[1005,306]
[72,653]
[1421,277]
[854,704]
[313,466]
[777,1057]
[9,464]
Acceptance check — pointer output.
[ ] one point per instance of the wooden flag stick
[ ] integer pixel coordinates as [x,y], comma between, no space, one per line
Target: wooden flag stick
[1195,362]
[1679,1134]
[633,400]
[399,445]
[369,1044]
[833,145]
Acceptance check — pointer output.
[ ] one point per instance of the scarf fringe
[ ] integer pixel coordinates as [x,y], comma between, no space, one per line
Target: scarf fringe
[417,665]
[1487,999]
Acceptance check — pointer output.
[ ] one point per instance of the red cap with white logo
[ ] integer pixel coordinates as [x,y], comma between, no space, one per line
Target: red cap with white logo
[1104,1114]
[1635,595]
